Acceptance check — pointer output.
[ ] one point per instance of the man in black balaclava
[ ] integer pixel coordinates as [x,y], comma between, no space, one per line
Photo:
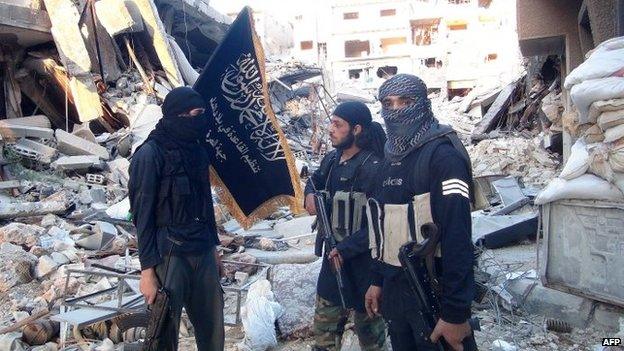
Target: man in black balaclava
[171,206]
[425,178]
[346,174]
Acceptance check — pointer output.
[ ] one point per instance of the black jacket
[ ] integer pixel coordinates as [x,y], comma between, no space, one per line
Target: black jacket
[443,171]
[356,173]
[167,204]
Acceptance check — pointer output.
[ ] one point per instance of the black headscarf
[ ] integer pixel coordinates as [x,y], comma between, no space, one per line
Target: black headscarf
[372,137]
[183,132]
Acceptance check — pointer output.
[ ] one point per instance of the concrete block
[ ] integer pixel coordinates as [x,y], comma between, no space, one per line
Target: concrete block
[537,299]
[45,266]
[34,150]
[607,317]
[72,145]
[14,132]
[68,163]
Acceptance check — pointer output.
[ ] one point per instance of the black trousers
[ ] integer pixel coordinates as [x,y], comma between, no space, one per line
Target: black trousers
[406,326]
[193,283]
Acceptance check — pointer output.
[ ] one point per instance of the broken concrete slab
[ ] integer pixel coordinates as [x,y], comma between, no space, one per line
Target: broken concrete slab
[29,209]
[13,132]
[75,146]
[75,57]
[105,228]
[537,299]
[23,26]
[72,163]
[496,111]
[290,256]
[156,31]
[96,241]
[295,227]
[119,171]
[40,121]
[116,18]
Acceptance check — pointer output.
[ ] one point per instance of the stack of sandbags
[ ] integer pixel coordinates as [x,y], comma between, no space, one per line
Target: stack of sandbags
[595,168]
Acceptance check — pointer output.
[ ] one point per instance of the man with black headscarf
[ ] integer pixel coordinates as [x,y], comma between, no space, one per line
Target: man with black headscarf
[171,206]
[346,174]
[425,177]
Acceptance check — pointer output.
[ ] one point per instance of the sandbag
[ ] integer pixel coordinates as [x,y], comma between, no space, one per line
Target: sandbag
[585,187]
[601,64]
[593,135]
[590,91]
[599,162]
[577,163]
[616,158]
[259,315]
[610,119]
[613,134]
[598,107]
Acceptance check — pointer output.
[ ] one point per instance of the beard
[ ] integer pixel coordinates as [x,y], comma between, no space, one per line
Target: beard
[346,143]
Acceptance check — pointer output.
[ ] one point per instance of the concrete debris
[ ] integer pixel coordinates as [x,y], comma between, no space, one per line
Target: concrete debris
[17,266]
[75,163]
[72,145]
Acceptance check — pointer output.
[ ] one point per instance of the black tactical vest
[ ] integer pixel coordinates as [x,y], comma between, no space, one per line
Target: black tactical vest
[182,199]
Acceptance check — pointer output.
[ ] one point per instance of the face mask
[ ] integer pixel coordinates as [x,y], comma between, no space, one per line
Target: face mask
[187,128]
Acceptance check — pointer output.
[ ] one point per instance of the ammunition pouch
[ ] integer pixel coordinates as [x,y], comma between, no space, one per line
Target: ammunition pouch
[392,226]
[347,210]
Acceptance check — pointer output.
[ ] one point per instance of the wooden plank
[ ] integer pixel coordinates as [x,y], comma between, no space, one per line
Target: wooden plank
[75,57]
[156,31]
[35,92]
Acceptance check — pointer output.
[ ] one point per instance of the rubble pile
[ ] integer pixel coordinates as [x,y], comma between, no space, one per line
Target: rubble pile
[514,156]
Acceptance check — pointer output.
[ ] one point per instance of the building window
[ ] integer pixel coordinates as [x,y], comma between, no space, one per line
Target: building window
[299,17]
[432,62]
[388,43]
[355,73]
[459,26]
[351,15]
[491,57]
[459,2]
[306,45]
[387,12]
[357,48]
[386,72]
[425,32]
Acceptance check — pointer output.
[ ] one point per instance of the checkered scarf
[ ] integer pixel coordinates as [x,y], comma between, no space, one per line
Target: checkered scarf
[405,127]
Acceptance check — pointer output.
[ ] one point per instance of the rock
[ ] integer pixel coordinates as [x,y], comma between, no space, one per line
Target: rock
[38,251]
[231,269]
[16,266]
[12,342]
[89,196]
[45,266]
[501,345]
[21,234]
[294,286]
[49,220]
[267,244]
[59,258]
[105,228]
[102,238]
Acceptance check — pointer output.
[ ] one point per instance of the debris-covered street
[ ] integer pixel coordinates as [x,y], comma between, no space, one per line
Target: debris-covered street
[534,90]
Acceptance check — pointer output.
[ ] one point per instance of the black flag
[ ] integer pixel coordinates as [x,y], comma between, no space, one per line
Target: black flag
[253,168]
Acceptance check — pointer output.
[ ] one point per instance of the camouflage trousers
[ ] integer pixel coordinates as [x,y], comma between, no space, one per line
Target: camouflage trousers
[329,324]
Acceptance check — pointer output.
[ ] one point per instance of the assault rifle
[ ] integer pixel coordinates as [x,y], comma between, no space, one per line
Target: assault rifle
[326,237]
[417,260]
[158,312]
